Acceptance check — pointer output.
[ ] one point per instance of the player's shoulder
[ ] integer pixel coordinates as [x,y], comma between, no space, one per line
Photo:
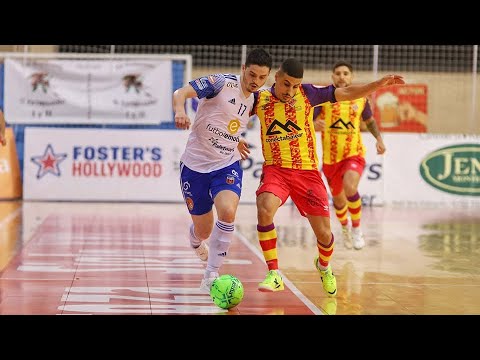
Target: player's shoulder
[230,77]
[264,91]
[215,80]
[230,81]
[263,95]
[316,86]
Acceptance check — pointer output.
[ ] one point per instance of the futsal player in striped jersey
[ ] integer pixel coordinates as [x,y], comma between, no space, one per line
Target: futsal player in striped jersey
[344,152]
[210,171]
[291,165]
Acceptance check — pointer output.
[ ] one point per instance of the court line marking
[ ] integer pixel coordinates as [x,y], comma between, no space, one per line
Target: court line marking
[290,285]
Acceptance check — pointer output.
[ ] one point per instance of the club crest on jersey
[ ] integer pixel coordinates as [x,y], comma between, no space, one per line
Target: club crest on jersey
[189,203]
[230,180]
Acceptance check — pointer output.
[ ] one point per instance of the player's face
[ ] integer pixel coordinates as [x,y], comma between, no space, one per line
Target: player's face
[342,77]
[286,86]
[254,77]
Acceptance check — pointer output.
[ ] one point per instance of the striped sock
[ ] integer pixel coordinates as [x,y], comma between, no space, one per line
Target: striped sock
[267,235]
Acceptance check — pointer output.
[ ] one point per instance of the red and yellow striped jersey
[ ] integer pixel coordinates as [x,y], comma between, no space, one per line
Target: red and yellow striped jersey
[342,137]
[287,131]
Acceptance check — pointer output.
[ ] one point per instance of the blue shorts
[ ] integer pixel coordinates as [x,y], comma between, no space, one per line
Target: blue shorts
[199,189]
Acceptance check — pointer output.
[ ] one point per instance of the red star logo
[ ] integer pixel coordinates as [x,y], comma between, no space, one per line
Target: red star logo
[48,162]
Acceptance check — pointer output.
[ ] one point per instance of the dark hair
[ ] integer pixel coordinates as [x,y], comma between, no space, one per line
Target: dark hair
[292,67]
[259,57]
[343,63]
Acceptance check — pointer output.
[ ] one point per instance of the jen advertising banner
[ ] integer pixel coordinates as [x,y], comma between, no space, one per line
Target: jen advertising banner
[432,169]
[88,91]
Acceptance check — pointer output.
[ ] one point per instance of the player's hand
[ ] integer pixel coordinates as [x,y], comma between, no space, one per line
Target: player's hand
[388,80]
[319,125]
[380,147]
[243,149]
[182,121]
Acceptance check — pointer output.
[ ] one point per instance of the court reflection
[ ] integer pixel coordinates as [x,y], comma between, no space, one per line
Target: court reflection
[416,260]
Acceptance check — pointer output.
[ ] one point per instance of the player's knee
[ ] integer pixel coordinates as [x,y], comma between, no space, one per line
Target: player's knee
[350,189]
[324,237]
[227,215]
[264,214]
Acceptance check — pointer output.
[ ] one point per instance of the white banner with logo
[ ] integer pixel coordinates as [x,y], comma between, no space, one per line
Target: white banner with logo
[102,164]
[65,91]
[432,169]
[143,165]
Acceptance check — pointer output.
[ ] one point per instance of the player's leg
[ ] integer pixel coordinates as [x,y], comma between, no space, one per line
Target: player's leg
[195,189]
[272,193]
[334,175]
[321,228]
[200,231]
[226,188]
[310,195]
[351,179]
[341,211]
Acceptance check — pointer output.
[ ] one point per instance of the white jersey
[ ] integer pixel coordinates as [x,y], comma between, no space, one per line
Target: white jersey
[222,116]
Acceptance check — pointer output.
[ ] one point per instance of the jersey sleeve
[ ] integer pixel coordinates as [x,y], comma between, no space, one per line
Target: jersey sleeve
[319,94]
[316,111]
[367,111]
[208,86]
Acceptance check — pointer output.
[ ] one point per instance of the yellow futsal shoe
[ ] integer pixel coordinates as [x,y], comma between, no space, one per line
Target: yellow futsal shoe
[328,279]
[273,282]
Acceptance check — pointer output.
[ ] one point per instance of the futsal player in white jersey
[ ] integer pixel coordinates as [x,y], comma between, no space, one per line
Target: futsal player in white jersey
[210,170]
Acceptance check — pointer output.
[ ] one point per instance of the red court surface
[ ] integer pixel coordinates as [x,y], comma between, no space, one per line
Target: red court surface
[115,263]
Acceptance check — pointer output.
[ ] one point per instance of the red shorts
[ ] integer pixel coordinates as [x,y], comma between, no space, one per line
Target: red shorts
[334,172]
[305,187]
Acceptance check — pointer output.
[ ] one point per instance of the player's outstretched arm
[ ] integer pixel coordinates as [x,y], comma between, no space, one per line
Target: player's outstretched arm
[353,92]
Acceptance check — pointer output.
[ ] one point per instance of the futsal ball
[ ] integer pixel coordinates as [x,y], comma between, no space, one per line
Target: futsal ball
[226,291]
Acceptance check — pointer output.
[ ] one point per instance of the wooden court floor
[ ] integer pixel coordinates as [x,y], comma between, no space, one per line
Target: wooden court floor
[130,258]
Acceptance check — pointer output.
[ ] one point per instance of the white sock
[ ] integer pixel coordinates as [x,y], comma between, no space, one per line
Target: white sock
[194,241]
[220,240]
